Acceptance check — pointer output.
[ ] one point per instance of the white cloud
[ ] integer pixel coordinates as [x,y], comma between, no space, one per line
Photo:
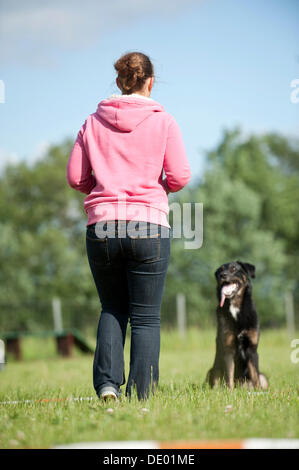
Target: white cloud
[32,31]
[39,152]
[7,157]
[13,158]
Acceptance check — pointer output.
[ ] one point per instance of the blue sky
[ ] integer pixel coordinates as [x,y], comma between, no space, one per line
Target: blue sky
[218,64]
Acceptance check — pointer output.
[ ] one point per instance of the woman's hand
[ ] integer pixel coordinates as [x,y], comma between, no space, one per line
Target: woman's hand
[165,186]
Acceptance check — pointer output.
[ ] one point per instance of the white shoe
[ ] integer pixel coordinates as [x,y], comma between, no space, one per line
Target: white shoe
[108,395]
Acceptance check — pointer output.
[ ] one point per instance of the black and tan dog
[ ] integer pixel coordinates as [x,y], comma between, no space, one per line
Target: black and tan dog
[236,360]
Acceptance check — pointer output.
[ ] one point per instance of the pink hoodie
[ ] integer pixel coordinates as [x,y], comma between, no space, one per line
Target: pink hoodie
[119,156]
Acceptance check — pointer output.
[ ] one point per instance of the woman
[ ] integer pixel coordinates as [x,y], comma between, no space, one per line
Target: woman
[118,160]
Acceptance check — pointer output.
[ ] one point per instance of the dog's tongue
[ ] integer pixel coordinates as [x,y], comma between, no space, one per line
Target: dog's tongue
[226,290]
[222,299]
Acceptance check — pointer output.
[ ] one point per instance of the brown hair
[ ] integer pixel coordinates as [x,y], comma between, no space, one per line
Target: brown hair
[133,69]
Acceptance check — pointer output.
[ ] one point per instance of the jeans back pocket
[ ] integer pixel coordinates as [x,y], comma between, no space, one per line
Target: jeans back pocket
[145,242]
[96,247]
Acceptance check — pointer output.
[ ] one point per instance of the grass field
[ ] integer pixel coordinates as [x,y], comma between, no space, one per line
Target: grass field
[181,409]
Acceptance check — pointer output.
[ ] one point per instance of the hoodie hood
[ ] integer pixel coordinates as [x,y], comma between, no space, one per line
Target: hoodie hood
[127,112]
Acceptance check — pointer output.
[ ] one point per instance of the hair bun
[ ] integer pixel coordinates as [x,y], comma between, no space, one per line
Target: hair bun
[133,69]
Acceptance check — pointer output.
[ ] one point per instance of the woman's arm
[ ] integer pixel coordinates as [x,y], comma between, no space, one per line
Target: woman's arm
[79,171]
[176,165]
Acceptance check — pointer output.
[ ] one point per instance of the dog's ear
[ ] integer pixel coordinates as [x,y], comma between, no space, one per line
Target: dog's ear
[216,273]
[248,268]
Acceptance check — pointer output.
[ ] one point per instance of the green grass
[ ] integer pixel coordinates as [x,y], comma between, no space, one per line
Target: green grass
[181,409]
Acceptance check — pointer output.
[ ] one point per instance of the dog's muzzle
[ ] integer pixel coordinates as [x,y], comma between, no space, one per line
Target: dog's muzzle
[228,290]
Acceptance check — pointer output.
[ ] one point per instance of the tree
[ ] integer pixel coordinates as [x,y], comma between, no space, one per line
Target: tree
[250,195]
[250,204]
[42,252]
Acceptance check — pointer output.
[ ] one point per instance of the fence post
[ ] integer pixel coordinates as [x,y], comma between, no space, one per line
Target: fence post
[57,316]
[181,314]
[290,314]
[2,354]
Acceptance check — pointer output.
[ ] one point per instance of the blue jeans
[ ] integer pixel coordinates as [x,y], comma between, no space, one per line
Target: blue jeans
[129,271]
